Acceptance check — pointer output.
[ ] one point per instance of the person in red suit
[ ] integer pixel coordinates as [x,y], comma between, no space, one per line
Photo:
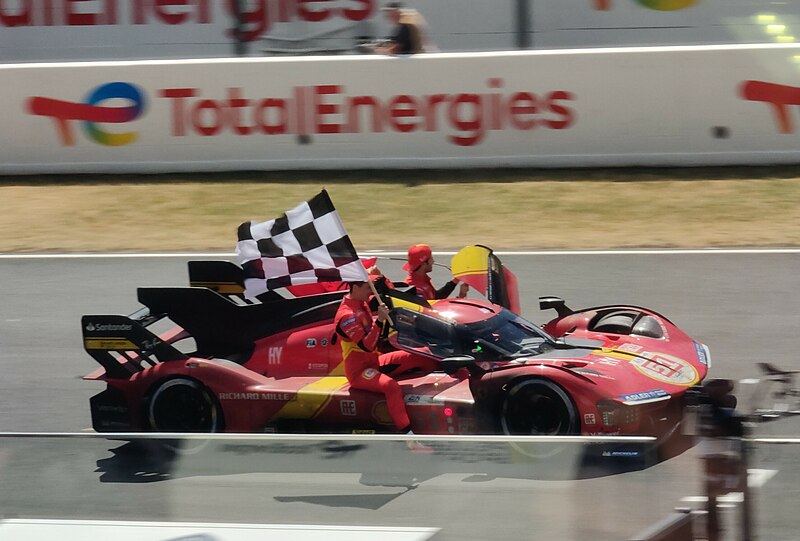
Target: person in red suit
[359,338]
[419,265]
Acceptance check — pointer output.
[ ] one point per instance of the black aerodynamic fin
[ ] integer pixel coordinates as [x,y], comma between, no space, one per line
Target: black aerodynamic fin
[221,327]
[122,343]
[223,277]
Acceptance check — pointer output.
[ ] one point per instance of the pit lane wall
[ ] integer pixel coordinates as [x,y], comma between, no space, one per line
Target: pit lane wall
[681,106]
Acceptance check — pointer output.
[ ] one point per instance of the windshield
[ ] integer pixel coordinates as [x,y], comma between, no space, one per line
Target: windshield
[506,334]
[502,335]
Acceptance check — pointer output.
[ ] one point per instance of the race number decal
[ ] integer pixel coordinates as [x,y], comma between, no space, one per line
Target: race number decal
[666,368]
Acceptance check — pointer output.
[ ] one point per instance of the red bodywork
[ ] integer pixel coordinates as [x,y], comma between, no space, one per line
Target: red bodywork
[623,369]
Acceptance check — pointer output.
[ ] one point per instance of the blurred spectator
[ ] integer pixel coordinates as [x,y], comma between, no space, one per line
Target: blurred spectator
[409,33]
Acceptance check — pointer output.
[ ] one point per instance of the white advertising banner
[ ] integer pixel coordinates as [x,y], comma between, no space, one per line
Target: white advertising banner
[592,107]
[77,530]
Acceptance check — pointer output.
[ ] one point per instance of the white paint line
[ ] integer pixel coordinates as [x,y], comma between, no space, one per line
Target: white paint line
[758,477]
[700,251]
[755,478]
[750,381]
[76,530]
[730,498]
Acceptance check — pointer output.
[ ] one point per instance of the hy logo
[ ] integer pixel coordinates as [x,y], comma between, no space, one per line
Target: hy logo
[91,113]
[659,5]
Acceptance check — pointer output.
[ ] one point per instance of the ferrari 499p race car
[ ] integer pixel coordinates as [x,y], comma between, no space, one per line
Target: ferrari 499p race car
[274,364]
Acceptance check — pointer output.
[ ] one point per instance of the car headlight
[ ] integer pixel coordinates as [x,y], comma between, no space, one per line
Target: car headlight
[616,414]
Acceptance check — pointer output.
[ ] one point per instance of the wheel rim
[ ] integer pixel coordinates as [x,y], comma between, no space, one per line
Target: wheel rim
[182,405]
[538,408]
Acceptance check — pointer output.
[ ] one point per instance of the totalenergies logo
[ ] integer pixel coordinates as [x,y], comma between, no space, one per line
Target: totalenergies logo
[779,97]
[92,114]
[659,5]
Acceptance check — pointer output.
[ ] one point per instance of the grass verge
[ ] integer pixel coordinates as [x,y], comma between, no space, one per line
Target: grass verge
[505,209]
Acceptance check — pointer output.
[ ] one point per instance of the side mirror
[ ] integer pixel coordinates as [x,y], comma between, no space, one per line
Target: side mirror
[451,365]
[555,303]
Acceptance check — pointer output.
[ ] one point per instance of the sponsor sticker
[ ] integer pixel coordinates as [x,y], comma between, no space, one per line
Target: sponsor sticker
[589,419]
[420,399]
[280,397]
[645,396]
[701,353]
[110,344]
[92,327]
[347,407]
[311,342]
[380,412]
[623,454]
[274,355]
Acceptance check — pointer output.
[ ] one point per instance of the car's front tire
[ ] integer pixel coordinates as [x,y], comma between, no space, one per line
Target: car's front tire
[538,407]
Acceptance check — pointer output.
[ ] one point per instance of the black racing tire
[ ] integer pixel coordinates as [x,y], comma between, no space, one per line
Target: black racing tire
[538,407]
[184,405]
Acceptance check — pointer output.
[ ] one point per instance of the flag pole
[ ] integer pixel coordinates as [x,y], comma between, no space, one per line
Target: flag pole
[380,300]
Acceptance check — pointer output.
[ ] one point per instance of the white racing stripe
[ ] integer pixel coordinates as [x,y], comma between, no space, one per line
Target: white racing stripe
[75,530]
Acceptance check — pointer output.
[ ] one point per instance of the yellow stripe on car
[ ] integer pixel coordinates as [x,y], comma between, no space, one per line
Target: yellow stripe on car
[312,398]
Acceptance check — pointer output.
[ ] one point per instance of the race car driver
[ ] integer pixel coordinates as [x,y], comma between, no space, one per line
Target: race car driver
[359,338]
[419,265]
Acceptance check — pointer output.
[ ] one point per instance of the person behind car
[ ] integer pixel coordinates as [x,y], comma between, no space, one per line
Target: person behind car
[409,34]
[419,265]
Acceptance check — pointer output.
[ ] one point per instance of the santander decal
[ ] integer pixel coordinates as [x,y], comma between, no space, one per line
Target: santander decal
[779,97]
[258,16]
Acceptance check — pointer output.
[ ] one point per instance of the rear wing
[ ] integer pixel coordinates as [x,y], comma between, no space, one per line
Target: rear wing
[120,344]
[224,277]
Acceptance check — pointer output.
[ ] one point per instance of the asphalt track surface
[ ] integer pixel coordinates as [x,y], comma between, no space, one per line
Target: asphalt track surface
[744,306]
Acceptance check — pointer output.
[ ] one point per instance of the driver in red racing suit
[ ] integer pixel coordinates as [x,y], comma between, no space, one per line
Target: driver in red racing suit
[419,265]
[359,339]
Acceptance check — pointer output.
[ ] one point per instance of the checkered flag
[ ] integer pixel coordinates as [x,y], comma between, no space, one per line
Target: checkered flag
[308,244]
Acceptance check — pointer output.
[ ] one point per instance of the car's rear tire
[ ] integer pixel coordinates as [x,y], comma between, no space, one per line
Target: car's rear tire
[538,407]
[183,405]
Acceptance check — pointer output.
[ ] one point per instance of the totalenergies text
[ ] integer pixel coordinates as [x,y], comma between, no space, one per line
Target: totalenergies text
[466,117]
[257,16]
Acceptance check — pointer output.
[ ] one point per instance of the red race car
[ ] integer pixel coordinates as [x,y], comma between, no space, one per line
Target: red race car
[274,364]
